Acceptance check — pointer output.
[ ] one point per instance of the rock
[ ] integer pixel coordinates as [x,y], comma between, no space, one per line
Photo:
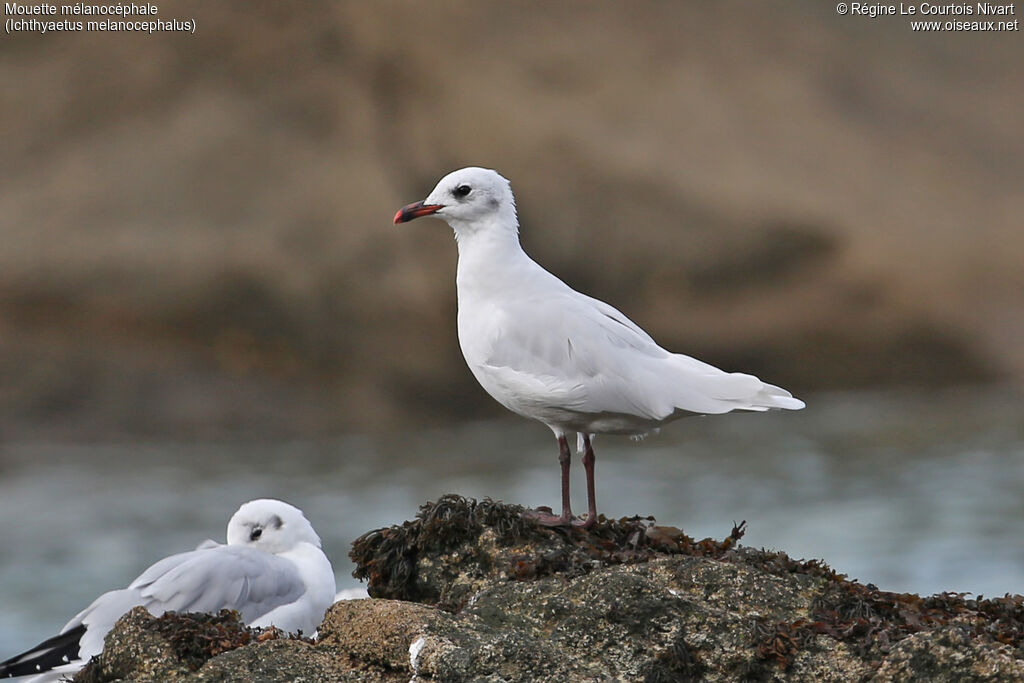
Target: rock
[285,661]
[950,654]
[135,650]
[471,591]
[146,648]
[199,647]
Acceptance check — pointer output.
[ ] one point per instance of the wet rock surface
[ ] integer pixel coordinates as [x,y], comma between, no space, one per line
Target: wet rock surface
[471,591]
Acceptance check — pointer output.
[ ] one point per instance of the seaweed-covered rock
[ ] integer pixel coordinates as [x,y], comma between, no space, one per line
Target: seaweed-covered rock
[139,649]
[207,648]
[456,547]
[472,591]
[950,654]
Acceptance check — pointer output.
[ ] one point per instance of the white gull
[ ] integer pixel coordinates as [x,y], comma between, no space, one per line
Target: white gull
[549,353]
[272,571]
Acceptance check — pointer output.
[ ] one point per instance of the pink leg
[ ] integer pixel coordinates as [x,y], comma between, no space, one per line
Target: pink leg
[565,519]
[588,465]
[565,459]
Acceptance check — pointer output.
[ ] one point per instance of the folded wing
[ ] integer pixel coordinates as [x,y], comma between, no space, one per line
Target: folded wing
[584,355]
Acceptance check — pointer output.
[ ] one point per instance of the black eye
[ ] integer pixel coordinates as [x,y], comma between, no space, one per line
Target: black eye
[255,534]
[462,190]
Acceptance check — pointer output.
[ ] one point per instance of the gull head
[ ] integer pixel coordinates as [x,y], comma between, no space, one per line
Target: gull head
[467,199]
[270,525]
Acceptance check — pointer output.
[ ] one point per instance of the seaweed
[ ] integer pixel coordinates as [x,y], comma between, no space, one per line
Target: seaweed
[871,621]
[388,557]
[196,638]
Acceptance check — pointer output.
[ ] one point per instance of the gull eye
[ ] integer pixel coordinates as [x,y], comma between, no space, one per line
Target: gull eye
[462,190]
[255,534]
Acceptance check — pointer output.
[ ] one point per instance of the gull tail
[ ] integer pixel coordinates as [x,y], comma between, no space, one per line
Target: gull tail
[772,396]
[739,391]
[697,387]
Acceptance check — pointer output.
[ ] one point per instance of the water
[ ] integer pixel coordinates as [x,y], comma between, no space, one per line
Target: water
[911,492]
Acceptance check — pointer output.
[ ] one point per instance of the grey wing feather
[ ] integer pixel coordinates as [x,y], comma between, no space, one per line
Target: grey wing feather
[250,581]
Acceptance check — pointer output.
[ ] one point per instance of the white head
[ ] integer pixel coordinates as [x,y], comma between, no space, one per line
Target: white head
[270,525]
[468,199]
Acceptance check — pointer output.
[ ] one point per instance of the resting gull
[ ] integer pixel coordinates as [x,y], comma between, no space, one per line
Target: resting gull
[272,571]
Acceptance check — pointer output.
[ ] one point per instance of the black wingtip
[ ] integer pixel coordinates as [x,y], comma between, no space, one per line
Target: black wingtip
[47,655]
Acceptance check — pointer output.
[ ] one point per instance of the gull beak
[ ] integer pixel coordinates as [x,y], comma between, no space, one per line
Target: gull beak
[415,210]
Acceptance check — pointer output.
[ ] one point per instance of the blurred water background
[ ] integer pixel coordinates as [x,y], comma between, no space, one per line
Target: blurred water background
[914,492]
[203,299]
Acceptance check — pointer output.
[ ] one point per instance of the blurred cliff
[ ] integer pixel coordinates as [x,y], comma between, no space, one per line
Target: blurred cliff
[196,230]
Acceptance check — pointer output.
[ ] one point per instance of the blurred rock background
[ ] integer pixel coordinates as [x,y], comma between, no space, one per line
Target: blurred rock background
[196,237]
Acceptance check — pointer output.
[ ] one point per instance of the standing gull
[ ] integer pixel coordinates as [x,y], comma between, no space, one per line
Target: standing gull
[272,571]
[549,353]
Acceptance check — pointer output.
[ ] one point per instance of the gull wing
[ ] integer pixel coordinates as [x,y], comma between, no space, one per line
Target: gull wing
[250,581]
[570,351]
